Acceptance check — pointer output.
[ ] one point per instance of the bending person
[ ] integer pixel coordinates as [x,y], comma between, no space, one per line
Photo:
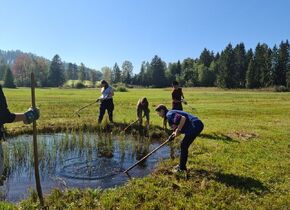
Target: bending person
[143,107]
[182,123]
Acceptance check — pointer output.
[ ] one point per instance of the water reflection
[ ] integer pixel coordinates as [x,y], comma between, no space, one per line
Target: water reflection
[73,160]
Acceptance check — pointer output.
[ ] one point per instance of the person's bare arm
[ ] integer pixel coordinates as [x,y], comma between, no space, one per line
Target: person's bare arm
[179,127]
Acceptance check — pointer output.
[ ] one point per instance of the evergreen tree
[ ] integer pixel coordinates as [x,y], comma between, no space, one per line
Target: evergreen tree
[251,81]
[240,65]
[217,56]
[225,77]
[93,76]
[206,57]
[178,68]
[9,79]
[206,76]
[148,74]
[262,69]
[75,74]
[171,72]
[127,72]
[274,66]
[82,72]
[2,69]
[158,72]
[288,79]
[266,79]
[116,74]
[142,75]
[69,72]
[56,72]
[283,60]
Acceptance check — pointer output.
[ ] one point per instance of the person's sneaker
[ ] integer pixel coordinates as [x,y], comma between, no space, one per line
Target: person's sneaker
[177,170]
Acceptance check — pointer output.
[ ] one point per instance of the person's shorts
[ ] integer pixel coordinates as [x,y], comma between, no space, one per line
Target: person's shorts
[6,116]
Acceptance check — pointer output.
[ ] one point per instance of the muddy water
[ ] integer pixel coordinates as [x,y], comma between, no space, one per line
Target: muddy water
[71,160]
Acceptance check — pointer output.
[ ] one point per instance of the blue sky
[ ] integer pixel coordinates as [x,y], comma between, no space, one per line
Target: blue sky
[100,33]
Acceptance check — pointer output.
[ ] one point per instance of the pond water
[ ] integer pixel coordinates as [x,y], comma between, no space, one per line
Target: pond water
[69,160]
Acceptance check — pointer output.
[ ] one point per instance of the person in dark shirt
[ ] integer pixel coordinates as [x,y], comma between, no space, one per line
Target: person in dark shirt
[143,106]
[177,96]
[181,123]
[7,117]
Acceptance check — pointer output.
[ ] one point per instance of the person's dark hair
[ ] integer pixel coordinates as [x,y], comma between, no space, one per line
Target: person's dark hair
[174,83]
[161,107]
[104,82]
[143,102]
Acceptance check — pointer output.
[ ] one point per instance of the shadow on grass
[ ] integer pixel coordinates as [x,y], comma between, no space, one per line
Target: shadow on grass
[218,137]
[246,184]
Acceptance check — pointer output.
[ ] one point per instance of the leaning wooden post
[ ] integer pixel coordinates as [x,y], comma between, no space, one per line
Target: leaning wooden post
[35,152]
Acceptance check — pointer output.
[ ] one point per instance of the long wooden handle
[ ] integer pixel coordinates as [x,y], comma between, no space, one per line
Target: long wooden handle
[35,152]
[85,106]
[131,125]
[150,153]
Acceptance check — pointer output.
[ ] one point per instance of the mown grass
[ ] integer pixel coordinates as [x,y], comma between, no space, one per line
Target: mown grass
[241,161]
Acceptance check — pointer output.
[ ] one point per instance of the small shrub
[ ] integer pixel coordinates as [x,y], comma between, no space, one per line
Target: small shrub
[281,88]
[79,85]
[121,89]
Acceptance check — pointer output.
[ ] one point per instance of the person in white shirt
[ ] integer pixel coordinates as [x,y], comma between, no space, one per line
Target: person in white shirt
[106,100]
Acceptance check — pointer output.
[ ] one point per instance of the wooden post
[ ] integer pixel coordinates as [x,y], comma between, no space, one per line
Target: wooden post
[35,152]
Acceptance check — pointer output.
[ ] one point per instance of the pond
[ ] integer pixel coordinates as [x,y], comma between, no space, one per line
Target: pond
[74,160]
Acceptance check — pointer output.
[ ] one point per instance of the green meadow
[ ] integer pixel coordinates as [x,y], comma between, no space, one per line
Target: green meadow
[241,160]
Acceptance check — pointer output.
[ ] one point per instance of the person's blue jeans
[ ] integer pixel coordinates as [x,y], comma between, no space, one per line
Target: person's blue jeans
[186,142]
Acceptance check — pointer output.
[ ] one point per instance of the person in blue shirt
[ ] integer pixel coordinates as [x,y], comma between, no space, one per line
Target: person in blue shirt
[106,100]
[181,123]
[7,117]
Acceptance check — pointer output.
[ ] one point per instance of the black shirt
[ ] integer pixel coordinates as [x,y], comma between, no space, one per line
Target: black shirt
[3,103]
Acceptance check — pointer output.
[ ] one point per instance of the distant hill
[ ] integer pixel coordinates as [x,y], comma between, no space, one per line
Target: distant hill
[9,57]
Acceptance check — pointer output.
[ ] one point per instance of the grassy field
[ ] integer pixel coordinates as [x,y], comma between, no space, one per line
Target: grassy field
[241,161]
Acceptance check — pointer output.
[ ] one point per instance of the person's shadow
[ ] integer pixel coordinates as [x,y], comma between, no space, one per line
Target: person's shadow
[246,184]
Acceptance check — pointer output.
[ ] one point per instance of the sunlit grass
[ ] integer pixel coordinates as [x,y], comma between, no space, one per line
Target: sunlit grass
[241,161]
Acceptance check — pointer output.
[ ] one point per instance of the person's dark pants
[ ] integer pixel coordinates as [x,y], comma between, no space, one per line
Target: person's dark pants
[109,106]
[177,106]
[185,143]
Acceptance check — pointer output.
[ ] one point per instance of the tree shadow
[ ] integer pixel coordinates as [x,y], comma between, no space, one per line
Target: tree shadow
[245,184]
[218,137]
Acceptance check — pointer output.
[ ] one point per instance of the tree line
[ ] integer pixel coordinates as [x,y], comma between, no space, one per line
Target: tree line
[233,67]
[15,69]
